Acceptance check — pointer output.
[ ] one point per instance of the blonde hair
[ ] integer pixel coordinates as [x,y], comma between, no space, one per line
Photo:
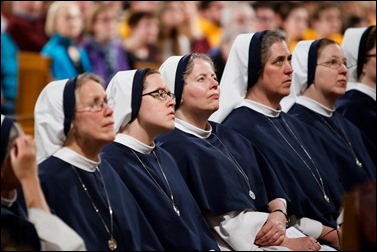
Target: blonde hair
[52,13]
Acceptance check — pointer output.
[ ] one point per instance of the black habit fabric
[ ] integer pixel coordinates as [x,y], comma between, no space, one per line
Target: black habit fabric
[360,109]
[17,232]
[189,231]
[302,184]
[212,175]
[67,198]
[341,137]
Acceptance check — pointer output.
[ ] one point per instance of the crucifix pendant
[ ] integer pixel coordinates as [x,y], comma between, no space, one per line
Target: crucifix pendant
[326,198]
[252,194]
[359,163]
[112,244]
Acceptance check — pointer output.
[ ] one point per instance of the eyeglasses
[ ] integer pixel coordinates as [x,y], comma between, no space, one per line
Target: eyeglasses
[98,105]
[161,94]
[336,63]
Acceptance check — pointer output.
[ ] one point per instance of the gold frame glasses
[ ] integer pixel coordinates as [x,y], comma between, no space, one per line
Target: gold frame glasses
[336,64]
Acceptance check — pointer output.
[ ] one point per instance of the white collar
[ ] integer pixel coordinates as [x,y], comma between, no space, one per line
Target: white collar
[193,130]
[315,106]
[260,108]
[76,159]
[133,143]
[364,89]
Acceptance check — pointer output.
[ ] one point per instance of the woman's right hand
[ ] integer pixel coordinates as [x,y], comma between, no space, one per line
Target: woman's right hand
[23,158]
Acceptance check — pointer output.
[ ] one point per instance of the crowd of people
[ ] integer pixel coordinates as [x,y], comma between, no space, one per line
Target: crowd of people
[194,125]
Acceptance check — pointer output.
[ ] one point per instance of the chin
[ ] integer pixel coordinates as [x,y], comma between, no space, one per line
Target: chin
[168,128]
[109,137]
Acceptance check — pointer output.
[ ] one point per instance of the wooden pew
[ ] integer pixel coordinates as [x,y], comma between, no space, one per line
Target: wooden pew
[34,74]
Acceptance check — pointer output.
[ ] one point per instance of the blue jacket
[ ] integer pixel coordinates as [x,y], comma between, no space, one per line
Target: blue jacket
[62,65]
[9,73]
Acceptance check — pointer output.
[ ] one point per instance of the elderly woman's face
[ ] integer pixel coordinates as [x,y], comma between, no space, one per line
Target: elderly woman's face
[331,79]
[201,92]
[93,118]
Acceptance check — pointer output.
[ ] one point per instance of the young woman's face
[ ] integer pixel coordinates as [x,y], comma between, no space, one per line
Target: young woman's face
[200,93]
[330,78]
[156,114]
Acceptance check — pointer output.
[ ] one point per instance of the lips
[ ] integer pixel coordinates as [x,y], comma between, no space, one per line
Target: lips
[342,81]
[109,124]
[215,96]
[171,113]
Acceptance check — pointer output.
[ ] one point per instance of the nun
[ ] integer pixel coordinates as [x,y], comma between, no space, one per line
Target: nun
[319,79]
[358,104]
[33,228]
[221,167]
[144,109]
[252,87]
[73,122]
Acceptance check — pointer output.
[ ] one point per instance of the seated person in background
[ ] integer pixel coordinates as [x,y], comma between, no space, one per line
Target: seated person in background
[140,45]
[26,25]
[33,228]
[64,25]
[102,44]
[9,74]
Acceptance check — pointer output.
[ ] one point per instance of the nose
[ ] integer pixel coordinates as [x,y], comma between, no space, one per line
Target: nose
[343,69]
[171,101]
[214,83]
[108,110]
[288,68]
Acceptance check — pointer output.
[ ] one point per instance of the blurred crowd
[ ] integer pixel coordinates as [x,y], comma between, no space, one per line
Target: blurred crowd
[104,37]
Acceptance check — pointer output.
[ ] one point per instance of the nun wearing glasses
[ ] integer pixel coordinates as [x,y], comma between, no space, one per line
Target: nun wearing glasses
[73,122]
[319,79]
[144,109]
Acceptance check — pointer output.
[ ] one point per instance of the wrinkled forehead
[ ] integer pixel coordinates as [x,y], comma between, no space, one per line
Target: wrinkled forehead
[89,89]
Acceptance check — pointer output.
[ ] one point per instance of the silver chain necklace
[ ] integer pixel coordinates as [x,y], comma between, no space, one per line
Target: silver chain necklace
[112,243]
[171,198]
[230,157]
[319,179]
[343,137]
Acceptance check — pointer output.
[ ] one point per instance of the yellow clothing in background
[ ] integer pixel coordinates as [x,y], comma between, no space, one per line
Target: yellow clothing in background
[211,31]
